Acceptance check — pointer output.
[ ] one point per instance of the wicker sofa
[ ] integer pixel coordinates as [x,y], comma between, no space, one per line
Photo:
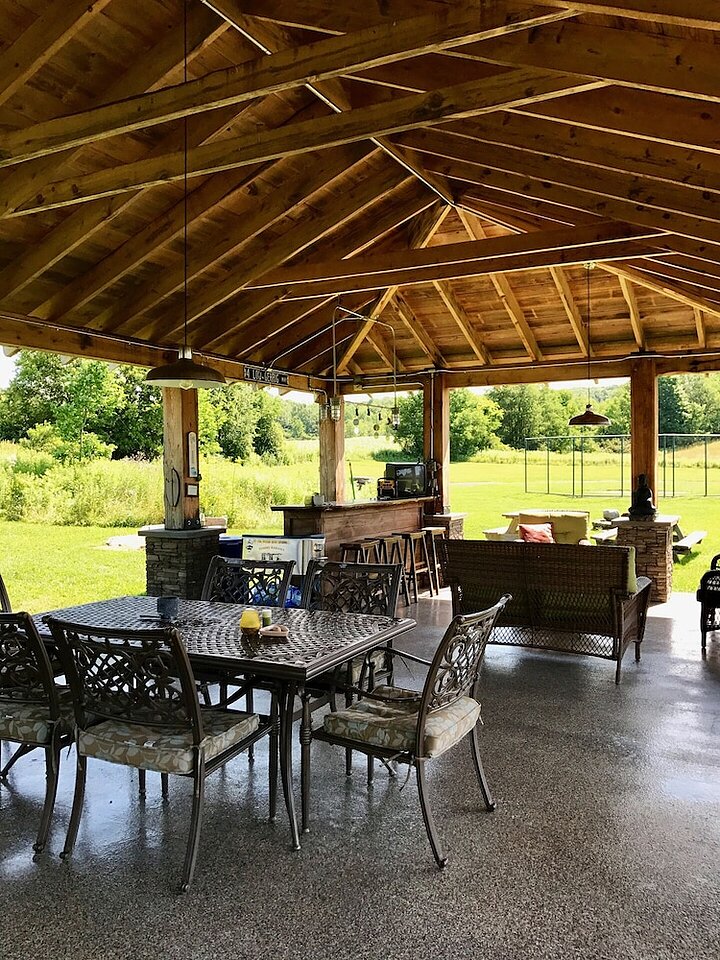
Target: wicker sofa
[564,596]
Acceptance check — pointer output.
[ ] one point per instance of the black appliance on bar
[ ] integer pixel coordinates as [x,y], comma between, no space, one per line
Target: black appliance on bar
[402,480]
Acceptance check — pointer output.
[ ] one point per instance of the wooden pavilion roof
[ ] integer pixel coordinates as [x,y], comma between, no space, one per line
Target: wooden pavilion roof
[445,167]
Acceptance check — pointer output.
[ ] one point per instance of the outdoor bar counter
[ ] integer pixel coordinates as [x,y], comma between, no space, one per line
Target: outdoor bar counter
[341,522]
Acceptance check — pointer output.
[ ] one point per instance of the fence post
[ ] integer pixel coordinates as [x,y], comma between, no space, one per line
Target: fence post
[622,466]
[706,466]
[573,466]
[526,466]
[547,458]
[582,464]
[664,453]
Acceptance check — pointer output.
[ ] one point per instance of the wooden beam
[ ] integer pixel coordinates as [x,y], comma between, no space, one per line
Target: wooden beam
[562,285]
[405,113]
[515,312]
[700,327]
[657,285]
[630,57]
[424,229]
[180,418]
[314,62]
[326,16]
[698,14]
[55,26]
[417,330]
[26,332]
[332,457]
[382,347]
[631,301]
[413,263]
[644,421]
[463,321]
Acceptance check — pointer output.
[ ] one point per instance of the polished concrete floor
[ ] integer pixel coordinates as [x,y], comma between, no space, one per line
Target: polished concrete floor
[605,843]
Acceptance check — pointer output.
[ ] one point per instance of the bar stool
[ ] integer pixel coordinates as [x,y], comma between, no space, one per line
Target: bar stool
[431,533]
[360,551]
[415,543]
[391,551]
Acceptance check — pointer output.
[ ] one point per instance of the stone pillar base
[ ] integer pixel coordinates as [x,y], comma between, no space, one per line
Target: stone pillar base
[652,540]
[454,524]
[176,561]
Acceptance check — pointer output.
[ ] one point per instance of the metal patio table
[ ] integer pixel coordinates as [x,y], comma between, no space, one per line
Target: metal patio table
[318,642]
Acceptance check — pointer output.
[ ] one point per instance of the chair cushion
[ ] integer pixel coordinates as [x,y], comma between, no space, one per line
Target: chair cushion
[536,532]
[30,722]
[165,749]
[394,725]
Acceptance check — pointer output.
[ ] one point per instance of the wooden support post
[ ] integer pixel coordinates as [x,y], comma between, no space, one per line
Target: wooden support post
[436,436]
[332,457]
[180,466]
[644,421]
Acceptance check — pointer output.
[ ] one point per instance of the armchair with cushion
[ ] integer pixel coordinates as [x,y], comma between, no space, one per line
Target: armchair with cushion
[135,703]
[412,727]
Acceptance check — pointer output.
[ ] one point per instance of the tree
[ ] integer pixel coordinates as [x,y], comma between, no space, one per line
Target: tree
[137,425]
[39,389]
[474,420]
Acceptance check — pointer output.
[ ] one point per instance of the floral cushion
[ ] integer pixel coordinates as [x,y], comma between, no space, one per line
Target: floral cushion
[394,724]
[30,722]
[165,749]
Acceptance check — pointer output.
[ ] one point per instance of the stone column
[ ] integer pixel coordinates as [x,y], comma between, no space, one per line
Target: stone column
[652,540]
[176,561]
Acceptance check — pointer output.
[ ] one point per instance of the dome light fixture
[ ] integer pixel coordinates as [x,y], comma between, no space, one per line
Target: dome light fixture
[588,418]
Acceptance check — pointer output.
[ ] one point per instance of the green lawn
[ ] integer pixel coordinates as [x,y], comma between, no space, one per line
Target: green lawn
[46,566]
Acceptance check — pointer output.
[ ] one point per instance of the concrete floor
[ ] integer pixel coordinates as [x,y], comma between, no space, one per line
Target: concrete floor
[605,843]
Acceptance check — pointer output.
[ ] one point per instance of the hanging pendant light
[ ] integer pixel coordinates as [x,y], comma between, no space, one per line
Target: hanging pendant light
[185,373]
[588,418]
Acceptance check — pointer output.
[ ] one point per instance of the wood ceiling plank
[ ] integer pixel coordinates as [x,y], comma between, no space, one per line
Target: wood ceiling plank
[635,320]
[417,330]
[55,26]
[256,316]
[687,211]
[462,320]
[516,314]
[383,348]
[322,60]
[700,327]
[634,58]
[131,315]
[504,90]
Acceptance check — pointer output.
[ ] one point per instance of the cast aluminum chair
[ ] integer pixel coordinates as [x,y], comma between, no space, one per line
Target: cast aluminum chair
[32,712]
[371,588]
[136,704]
[413,727]
[263,583]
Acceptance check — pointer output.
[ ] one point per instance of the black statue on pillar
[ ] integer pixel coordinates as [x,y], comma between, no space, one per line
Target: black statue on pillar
[642,506]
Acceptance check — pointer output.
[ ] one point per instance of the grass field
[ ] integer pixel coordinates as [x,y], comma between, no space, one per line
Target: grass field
[50,566]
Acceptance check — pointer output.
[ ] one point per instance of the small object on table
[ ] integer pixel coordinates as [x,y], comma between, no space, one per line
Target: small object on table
[266,616]
[168,607]
[250,623]
[276,631]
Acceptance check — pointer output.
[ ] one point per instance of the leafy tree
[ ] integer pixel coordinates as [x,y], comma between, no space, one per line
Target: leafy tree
[674,409]
[474,420]
[39,389]
[137,425]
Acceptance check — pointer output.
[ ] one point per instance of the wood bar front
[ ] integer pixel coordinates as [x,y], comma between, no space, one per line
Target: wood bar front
[342,522]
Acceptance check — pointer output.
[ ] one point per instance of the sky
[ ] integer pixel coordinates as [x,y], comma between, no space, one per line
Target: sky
[7,365]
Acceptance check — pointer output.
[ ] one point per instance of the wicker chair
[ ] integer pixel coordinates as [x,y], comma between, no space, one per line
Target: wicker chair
[408,726]
[135,703]
[248,581]
[708,595]
[33,713]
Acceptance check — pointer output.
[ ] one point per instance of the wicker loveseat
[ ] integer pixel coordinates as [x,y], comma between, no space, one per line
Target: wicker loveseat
[564,596]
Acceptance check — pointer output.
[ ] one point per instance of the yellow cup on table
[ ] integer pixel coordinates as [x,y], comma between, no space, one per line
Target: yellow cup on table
[249,622]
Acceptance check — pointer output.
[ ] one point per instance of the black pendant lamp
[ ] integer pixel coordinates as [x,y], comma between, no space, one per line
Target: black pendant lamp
[588,418]
[185,372]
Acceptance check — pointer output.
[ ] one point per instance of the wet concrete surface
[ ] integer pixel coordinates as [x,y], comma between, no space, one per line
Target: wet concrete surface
[605,843]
